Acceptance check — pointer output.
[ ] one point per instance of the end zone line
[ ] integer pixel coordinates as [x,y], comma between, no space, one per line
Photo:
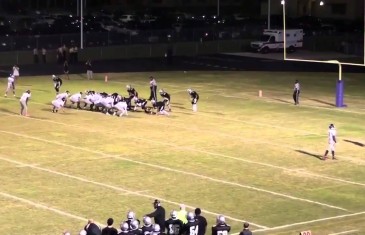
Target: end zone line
[311,221]
[45,207]
[178,171]
[137,193]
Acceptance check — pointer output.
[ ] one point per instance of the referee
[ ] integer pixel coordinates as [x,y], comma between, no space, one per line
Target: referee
[296,92]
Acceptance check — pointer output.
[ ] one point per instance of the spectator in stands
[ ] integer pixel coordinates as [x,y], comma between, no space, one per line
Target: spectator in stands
[202,222]
[35,55]
[92,229]
[109,230]
[181,215]
[44,55]
[158,214]
[246,230]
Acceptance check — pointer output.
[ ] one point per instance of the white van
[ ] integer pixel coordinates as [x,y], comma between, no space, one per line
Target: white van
[273,40]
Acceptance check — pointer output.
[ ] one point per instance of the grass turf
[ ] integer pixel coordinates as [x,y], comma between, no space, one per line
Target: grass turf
[249,158]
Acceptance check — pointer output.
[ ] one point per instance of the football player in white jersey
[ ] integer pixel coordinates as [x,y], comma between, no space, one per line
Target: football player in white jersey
[120,108]
[76,99]
[16,71]
[24,103]
[57,104]
[11,85]
[63,96]
[331,142]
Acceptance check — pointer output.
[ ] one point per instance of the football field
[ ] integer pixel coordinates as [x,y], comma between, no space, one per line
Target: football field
[250,158]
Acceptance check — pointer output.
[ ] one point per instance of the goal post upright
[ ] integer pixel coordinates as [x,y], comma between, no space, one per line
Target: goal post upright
[340,82]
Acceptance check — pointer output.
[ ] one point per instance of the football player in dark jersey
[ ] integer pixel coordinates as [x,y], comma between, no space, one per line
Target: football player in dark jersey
[192,226]
[57,83]
[221,228]
[160,107]
[194,99]
[173,225]
[131,92]
[134,228]
[147,227]
[139,103]
[131,216]
[166,98]
[124,227]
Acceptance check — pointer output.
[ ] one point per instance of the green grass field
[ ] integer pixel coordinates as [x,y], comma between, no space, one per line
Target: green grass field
[249,158]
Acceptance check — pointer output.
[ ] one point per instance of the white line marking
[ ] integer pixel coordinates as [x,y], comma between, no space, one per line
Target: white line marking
[311,221]
[45,207]
[113,187]
[178,171]
[345,232]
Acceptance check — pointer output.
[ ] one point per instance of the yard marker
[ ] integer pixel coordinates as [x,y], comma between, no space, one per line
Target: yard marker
[260,93]
[178,171]
[137,193]
[106,78]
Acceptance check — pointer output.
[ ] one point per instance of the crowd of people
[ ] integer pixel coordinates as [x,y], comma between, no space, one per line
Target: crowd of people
[179,223]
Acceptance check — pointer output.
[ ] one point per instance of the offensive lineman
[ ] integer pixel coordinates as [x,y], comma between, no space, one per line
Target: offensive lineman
[11,85]
[331,142]
[194,99]
[221,228]
[57,83]
[76,99]
[166,98]
[160,107]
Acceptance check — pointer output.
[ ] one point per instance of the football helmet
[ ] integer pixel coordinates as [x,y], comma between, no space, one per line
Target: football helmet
[221,219]
[331,126]
[190,217]
[147,221]
[189,90]
[156,228]
[131,215]
[161,91]
[156,203]
[124,226]
[173,214]
[53,76]
[128,86]
[134,224]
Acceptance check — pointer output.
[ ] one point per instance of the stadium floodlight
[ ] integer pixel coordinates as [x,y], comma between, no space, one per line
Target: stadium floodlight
[282,2]
[321,3]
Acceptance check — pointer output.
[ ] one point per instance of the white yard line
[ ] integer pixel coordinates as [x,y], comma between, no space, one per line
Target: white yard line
[178,171]
[345,232]
[44,207]
[311,221]
[137,193]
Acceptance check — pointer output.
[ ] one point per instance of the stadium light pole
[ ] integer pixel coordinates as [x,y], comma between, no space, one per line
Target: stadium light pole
[268,14]
[218,6]
[81,25]
[284,28]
